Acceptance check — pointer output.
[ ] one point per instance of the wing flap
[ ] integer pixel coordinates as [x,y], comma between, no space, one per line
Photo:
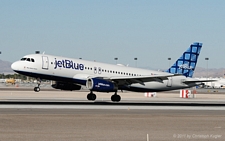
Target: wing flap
[140,79]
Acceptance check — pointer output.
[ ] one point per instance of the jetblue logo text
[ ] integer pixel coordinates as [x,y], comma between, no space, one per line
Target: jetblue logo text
[69,64]
[185,66]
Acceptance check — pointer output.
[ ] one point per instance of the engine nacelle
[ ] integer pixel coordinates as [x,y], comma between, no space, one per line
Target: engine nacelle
[66,86]
[100,85]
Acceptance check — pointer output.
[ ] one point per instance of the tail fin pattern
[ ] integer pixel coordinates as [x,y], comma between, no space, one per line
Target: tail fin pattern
[187,62]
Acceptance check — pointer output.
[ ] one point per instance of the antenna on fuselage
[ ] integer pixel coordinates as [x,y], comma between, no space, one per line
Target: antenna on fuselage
[43,52]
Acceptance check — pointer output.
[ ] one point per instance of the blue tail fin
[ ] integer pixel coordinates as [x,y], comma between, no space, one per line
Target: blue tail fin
[187,62]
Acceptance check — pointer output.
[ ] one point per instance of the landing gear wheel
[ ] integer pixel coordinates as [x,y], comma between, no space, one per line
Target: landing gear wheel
[115,98]
[91,96]
[37,89]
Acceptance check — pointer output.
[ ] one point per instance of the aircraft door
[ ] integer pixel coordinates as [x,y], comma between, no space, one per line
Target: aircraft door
[45,62]
[99,70]
[169,82]
[95,70]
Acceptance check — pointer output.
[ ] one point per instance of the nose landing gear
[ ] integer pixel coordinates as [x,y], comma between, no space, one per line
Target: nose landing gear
[37,89]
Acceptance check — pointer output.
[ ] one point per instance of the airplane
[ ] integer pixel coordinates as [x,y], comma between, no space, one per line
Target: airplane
[219,83]
[71,74]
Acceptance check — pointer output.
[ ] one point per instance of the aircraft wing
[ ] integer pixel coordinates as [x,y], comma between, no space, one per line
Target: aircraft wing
[139,79]
[127,80]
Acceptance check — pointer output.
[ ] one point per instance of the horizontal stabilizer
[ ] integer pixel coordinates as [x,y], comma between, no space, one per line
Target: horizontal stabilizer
[197,81]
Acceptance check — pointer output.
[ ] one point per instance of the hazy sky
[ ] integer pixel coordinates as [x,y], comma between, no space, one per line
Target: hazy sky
[150,30]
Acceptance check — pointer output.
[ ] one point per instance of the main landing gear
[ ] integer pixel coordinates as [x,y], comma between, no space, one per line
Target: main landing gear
[37,89]
[115,98]
[91,96]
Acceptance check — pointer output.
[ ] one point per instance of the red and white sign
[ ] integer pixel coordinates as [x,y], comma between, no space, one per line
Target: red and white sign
[185,93]
[150,94]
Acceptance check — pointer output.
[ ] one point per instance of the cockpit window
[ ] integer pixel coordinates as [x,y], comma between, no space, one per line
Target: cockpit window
[27,59]
[23,59]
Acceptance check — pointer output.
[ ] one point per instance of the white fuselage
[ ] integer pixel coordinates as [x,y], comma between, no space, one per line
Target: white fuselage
[78,71]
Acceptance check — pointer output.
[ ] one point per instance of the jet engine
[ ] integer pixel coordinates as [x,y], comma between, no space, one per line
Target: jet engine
[66,86]
[100,85]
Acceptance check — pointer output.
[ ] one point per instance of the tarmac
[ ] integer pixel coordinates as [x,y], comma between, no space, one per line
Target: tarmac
[67,115]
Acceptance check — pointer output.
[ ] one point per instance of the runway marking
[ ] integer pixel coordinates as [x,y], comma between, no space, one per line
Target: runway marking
[109,107]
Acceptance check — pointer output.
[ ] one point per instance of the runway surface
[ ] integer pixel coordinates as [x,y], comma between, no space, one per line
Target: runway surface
[63,115]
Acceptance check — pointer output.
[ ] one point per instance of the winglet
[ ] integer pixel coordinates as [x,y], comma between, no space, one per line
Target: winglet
[186,64]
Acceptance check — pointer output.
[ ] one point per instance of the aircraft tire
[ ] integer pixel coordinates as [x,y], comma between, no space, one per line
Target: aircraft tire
[91,96]
[88,97]
[115,98]
[36,89]
[118,98]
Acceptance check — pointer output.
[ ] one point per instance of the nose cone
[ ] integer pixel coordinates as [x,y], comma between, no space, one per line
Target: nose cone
[15,66]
